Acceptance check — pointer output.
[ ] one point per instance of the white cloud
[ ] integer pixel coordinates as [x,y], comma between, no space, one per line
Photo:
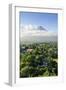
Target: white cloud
[32,30]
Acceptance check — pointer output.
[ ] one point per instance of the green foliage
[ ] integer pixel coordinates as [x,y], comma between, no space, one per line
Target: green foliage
[38,60]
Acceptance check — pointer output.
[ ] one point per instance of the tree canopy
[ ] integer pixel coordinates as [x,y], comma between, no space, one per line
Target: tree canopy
[40,61]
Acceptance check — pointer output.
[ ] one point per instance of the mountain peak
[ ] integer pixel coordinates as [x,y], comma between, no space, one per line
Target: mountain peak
[41,28]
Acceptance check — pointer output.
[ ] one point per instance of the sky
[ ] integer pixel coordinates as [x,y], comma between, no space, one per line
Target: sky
[47,20]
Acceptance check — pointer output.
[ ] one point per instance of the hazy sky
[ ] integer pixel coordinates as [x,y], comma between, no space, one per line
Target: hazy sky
[48,20]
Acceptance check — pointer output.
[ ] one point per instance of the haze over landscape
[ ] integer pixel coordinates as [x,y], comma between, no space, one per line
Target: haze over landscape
[33,34]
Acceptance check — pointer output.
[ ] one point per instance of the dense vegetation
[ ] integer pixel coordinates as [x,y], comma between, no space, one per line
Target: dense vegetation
[39,60]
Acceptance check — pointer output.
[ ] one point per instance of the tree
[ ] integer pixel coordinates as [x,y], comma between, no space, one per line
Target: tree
[40,61]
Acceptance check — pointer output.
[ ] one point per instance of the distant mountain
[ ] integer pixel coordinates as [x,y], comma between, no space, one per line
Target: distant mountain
[41,28]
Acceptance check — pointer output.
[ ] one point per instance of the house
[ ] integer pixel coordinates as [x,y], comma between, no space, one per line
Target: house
[29,50]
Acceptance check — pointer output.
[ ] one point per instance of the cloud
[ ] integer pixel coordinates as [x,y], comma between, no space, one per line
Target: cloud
[31,27]
[34,30]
